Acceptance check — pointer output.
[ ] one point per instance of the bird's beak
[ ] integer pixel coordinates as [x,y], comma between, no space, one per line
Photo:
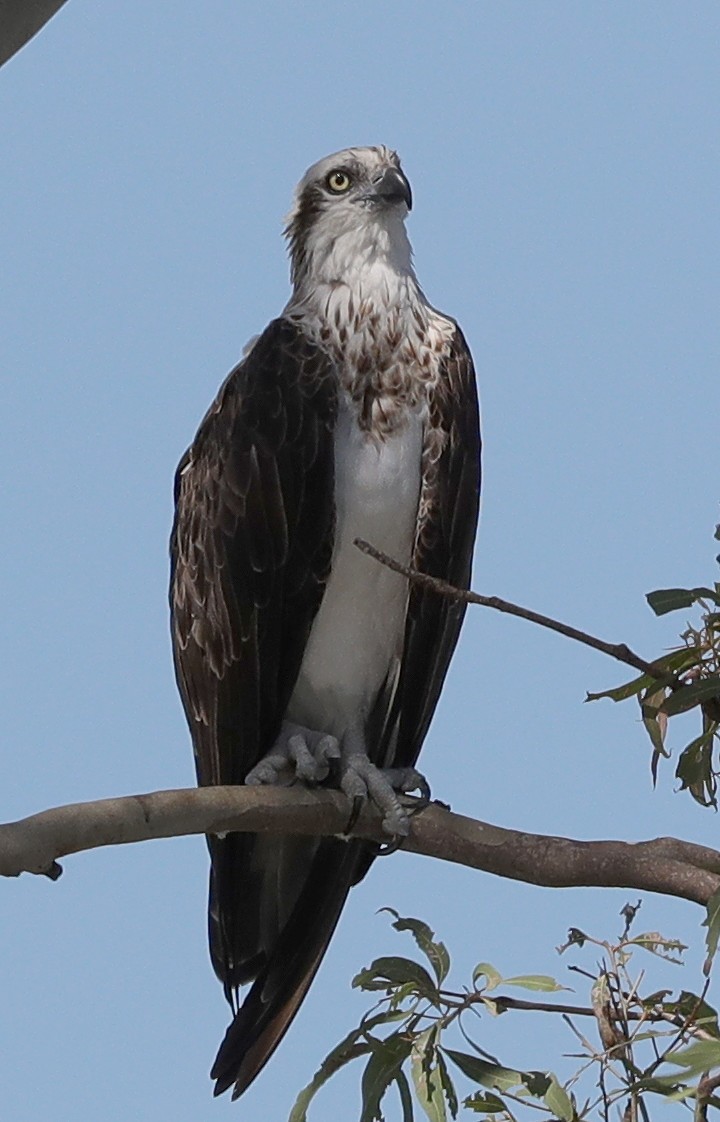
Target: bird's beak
[391,187]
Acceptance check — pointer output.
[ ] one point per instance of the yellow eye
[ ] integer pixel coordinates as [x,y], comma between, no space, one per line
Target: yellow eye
[338,182]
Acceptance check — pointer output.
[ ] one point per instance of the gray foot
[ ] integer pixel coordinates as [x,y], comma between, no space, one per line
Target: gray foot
[298,753]
[361,779]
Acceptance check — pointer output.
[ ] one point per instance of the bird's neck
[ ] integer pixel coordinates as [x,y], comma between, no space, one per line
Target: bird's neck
[362,303]
[341,270]
[350,282]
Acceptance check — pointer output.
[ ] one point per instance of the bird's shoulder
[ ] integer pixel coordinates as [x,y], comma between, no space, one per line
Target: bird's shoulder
[283,375]
[253,496]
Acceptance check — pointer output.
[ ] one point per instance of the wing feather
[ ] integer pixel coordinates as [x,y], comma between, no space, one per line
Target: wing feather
[247,579]
[447,523]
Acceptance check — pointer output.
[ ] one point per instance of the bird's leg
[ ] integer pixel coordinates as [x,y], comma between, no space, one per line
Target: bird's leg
[361,779]
[298,753]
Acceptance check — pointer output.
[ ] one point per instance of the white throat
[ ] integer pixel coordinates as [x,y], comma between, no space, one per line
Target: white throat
[371,259]
[357,295]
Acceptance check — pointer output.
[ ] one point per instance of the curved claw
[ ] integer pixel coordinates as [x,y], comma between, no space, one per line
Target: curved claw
[362,780]
[389,847]
[417,804]
[357,805]
[407,779]
[424,788]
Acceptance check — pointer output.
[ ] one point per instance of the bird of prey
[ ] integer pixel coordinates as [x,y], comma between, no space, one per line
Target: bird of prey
[299,658]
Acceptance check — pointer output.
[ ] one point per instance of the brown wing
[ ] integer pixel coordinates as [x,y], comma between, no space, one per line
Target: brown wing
[447,523]
[250,550]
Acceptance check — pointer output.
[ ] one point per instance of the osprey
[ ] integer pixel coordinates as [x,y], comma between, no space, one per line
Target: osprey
[299,658]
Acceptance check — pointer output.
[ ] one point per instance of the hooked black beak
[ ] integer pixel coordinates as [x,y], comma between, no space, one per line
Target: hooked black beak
[392,187]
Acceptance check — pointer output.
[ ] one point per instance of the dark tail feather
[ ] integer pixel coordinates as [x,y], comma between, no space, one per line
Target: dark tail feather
[258,1028]
[278,991]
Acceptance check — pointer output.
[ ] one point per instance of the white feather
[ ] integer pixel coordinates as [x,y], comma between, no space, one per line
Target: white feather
[358,631]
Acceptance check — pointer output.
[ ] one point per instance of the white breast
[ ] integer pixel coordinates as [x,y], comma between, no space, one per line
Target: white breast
[357,635]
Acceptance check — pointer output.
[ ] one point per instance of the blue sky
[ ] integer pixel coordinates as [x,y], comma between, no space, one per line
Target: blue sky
[564,165]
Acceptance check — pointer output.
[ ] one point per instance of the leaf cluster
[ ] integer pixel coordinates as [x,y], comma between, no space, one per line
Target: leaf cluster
[648,1045]
[404,1040]
[683,679]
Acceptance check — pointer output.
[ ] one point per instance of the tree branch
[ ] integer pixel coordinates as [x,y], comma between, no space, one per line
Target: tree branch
[20,20]
[665,865]
[619,651]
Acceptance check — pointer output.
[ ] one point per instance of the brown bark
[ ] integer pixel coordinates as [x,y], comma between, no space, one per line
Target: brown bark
[665,865]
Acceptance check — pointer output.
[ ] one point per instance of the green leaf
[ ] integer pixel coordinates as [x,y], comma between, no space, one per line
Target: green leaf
[400,995]
[654,720]
[682,658]
[665,600]
[426,1076]
[712,922]
[424,936]
[690,1005]
[575,938]
[695,769]
[346,1051]
[447,1084]
[688,697]
[700,1056]
[659,944]
[656,998]
[544,1085]
[405,1097]
[385,1017]
[385,973]
[484,1104]
[665,1085]
[672,663]
[536,1083]
[494,1076]
[355,1044]
[623,692]
[559,1102]
[492,976]
[381,1070]
[540,983]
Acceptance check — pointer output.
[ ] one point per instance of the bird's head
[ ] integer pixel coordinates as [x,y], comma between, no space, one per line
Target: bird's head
[349,209]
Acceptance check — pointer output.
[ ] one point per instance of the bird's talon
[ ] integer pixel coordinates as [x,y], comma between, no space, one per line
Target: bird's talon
[397,825]
[266,773]
[298,754]
[357,805]
[424,788]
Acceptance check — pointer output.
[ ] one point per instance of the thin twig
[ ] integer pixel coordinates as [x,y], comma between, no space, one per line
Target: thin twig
[590,1050]
[619,651]
[686,1026]
[461,1002]
[644,1016]
[705,1090]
